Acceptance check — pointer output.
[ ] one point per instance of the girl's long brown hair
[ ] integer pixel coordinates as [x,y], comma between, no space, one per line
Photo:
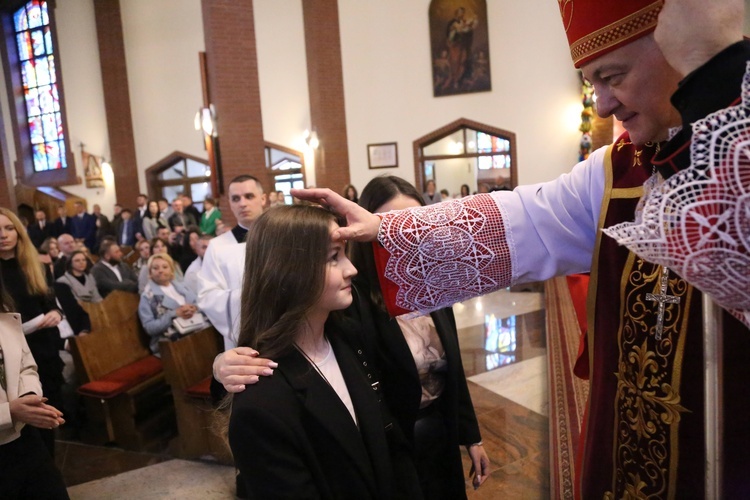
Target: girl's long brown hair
[28,257]
[285,270]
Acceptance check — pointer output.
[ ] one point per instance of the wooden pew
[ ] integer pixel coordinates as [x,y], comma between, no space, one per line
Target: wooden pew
[187,367]
[127,399]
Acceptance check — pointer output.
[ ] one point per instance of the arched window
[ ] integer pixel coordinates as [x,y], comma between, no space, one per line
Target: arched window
[286,169]
[180,173]
[31,48]
[466,152]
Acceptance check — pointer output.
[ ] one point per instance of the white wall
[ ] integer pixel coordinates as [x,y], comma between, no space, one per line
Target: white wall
[162,42]
[285,100]
[84,94]
[388,84]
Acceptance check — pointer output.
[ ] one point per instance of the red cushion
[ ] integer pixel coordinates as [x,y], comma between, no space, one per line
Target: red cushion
[122,379]
[201,390]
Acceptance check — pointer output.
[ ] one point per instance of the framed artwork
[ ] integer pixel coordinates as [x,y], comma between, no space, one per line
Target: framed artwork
[93,170]
[384,155]
[460,47]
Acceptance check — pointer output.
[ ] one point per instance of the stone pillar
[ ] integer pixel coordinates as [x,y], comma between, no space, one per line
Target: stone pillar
[326,85]
[117,100]
[234,90]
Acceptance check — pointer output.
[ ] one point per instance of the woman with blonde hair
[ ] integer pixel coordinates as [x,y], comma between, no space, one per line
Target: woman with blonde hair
[163,300]
[26,284]
[158,246]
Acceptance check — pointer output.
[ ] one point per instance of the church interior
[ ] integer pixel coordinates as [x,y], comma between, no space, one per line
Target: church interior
[174,97]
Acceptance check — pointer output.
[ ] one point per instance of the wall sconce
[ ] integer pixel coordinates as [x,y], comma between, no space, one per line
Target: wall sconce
[205,120]
[311,139]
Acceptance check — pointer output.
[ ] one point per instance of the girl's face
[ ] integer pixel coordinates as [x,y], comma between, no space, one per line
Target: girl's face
[144,251]
[350,193]
[337,293]
[54,250]
[159,247]
[79,263]
[161,272]
[8,238]
[153,207]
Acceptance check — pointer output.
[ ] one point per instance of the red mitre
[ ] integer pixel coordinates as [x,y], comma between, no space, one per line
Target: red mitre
[595,27]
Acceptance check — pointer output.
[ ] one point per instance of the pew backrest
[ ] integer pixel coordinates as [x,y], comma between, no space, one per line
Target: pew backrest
[116,338]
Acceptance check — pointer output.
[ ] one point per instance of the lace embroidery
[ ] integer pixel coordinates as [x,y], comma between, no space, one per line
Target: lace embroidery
[446,253]
[697,222]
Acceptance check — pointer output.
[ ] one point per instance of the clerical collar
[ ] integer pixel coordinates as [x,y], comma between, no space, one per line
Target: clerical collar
[239,233]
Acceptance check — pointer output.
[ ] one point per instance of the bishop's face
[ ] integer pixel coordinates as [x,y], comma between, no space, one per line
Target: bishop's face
[634,84]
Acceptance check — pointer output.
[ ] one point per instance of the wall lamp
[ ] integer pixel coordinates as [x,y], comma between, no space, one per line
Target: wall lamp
[205,120]
[311,139]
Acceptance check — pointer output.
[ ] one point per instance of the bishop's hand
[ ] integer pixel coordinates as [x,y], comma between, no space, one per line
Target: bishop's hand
[361,224]
[691,32]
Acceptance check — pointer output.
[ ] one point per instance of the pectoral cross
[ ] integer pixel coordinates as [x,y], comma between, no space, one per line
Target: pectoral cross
[662,298]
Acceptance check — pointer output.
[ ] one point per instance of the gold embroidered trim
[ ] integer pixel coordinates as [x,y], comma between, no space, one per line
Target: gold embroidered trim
[625,193]
[616,32]
[648,404]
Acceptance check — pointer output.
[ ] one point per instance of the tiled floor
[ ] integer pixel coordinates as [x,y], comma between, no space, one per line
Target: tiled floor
[503,348]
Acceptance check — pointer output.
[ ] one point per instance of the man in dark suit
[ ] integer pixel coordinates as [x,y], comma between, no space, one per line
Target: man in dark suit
[126,230]
[180,218]
[189,208]
[63,224]
[111,273]
[39,230]
[84,226]
[138,214]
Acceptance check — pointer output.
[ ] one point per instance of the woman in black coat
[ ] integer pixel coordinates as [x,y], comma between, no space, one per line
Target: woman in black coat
[316,429]
[420,364]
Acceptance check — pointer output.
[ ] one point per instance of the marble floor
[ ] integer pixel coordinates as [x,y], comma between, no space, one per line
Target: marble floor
[503,347]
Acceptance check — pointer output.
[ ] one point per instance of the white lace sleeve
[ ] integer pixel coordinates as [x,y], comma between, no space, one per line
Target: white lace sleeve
[697,222]
[452,251]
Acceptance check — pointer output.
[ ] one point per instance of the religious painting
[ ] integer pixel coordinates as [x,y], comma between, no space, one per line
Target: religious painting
[92,170]
[460,44]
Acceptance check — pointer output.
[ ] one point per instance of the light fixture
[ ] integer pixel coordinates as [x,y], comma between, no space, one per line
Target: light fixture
[311,139]
[205,120]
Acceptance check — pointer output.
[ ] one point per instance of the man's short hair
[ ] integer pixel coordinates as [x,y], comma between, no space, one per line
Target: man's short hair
[245,178]
[164,200]
[127,210]
[118,205]
[205,237]
[105,246]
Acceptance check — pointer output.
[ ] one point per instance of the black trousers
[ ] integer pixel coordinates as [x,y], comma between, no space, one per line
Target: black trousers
[28,471]
[433,457]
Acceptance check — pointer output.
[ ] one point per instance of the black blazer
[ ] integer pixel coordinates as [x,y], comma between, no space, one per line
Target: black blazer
[59,228]
[292,437]
[107,282]
[37,234]
[401,383]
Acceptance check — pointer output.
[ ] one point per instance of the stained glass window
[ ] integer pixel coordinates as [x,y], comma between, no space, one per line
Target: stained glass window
[39,80]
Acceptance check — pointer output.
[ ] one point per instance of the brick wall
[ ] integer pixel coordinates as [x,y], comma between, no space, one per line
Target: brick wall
[326,85]
[234,90]
[117,100]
